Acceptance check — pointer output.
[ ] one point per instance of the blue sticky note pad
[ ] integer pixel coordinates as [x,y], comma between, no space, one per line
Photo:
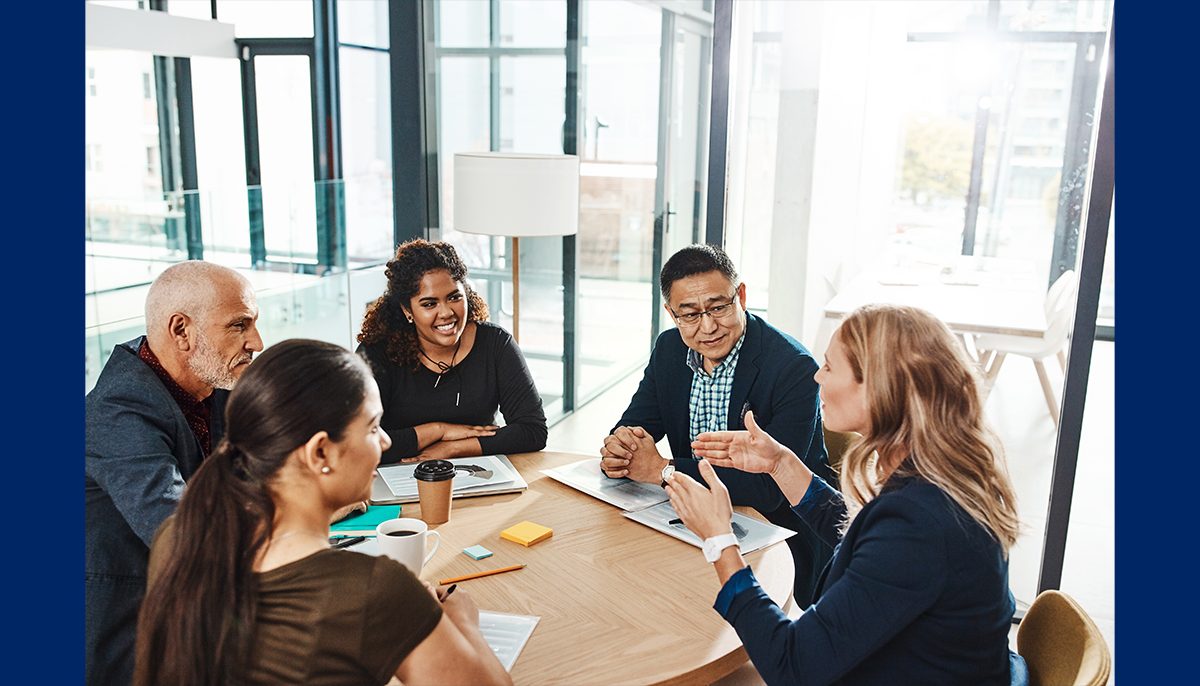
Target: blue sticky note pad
[477,552]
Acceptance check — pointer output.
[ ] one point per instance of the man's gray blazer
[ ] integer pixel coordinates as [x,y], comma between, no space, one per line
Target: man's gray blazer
[139,451]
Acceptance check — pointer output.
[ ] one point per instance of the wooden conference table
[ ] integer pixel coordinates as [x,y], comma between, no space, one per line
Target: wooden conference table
[620,603]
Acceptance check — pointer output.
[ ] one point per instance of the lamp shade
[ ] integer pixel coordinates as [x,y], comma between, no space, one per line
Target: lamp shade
[516,194]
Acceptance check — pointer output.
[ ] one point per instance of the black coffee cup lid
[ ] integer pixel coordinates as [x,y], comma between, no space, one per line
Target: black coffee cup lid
[434,470]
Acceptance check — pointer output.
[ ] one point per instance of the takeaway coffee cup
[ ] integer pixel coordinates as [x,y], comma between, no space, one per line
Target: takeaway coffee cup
[435,479]
[404,540]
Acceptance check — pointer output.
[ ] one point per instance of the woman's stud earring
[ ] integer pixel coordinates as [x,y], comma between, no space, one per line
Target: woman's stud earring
[325,469]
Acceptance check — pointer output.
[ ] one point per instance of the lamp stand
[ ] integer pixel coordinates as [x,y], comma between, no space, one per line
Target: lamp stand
[515,258]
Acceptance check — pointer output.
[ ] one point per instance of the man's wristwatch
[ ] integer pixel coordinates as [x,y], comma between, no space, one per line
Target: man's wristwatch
[712,547]
[667,472]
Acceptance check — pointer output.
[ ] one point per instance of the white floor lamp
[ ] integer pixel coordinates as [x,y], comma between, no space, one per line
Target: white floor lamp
[513,195]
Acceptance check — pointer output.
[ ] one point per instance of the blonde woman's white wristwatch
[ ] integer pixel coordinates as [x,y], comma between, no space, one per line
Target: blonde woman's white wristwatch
[713,546]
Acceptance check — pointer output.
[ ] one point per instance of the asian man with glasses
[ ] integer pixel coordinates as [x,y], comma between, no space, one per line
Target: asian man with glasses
[704,375]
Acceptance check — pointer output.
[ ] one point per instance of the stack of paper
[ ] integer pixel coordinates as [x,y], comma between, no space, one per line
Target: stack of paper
[626,494]
[751,534]
[482,475]
[647,504]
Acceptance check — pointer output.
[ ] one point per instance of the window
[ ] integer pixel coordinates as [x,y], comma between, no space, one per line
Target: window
[92,160]
[125,202]
[366,112]
[896,149]
[511,101]
[267,18]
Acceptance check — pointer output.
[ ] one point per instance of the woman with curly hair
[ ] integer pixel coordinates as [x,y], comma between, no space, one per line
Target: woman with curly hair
[917,590]
[442,368]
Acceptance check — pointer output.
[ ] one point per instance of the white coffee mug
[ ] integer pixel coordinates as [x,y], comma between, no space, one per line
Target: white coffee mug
[404,540]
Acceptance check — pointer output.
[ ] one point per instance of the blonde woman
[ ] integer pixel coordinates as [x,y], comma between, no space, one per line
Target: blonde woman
[917,590]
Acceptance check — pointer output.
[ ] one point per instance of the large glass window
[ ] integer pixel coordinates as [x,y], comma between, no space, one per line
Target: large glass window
[533,23]
[366,152]
[135,229]
[122,177]
[464,104]
[618,144]
[286,153]
[196,9]
[511,98]
[221,159]
[931,154]
[463,23]
[531,103]
[363,22]
[267,18]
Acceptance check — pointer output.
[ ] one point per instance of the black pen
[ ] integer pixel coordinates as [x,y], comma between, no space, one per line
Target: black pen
[675,521]
[449,591]
[347,542]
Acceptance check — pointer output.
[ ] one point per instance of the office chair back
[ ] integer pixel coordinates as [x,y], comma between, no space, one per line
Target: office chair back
[1060,305]
[1061,644]
[836,443]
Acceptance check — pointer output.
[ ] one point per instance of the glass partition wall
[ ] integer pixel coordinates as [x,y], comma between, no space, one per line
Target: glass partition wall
[279,163]
[641,85]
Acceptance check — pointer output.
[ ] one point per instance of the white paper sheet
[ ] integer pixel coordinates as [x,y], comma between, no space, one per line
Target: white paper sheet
[507,634]
[752,534]
[626,494]
[471,473]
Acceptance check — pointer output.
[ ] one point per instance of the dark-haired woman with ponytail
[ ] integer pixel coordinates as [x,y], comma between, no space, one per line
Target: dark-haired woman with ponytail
[443,370]
[244,588]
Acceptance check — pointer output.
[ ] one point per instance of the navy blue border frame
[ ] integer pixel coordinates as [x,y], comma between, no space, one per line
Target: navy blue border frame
[1156,468]
[1156,236]
[44,278]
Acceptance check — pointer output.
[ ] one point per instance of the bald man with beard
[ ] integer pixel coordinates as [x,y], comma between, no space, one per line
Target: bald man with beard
[155,413]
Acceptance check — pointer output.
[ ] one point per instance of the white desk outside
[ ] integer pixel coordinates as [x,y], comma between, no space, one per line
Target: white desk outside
[968,302]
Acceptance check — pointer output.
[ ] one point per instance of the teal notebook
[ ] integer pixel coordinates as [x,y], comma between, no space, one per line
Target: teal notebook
[366,521]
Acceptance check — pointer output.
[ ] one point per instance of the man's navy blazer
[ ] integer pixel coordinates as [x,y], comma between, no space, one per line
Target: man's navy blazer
[774,379]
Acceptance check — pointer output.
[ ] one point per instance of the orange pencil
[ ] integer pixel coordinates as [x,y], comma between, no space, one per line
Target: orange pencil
[476,575]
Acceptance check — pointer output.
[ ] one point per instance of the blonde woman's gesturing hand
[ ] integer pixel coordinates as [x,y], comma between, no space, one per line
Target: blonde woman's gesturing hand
[706,511]
[752,450]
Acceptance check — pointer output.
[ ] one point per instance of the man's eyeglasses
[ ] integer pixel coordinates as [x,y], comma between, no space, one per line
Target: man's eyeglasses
[718,312]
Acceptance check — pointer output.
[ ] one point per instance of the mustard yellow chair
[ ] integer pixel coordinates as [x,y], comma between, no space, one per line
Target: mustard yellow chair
[1061,645]
[836,443]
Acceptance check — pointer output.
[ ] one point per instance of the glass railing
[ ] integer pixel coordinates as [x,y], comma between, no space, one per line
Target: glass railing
[315,256]
[311,281]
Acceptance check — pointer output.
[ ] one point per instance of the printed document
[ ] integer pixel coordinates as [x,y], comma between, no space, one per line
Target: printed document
[647,504]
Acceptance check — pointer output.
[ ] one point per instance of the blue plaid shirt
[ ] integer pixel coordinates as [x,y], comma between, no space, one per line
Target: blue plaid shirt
[709,401]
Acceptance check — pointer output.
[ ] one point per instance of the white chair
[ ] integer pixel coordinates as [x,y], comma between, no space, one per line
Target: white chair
[993,348]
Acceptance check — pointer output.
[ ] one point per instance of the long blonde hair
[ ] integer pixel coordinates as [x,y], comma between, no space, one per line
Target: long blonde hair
[924,402]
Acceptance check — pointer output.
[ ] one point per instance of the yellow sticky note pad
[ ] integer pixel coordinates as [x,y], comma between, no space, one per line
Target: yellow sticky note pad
[527,533]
